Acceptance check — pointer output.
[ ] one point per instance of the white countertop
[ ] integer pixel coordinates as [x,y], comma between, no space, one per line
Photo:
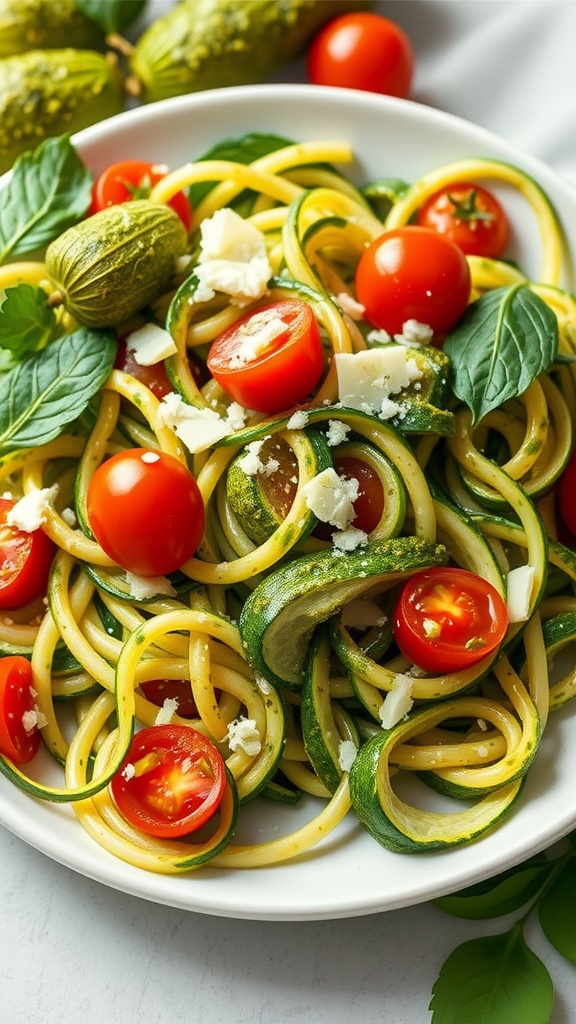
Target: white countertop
[76,952]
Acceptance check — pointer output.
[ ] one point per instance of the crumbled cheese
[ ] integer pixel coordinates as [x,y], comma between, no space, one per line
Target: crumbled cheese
[262,684]
[29,513]
[69,517]
[144,587]
[198,429]
[168,709]
[349,305]
[414,333]
[432,629]
[251,463]
[331,498]
[298,420]
[347,751]
[243,735]
[33,719]
[128,772]
[397,702]
[367,379]
[337,432]
[349,539]
[150,344]
[256,335]
[519,584]
[362,614]
[378,337]
[233,259]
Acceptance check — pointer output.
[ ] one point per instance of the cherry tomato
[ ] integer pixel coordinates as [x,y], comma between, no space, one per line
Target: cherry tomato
[19,738]
[267,371]
[25,560]
[171,782]
[179,690]
[470,216]
[362,51]
[145,510]
[369,504]
[448,618]
[133,179]
[413,273]
[566,496]
[155,376]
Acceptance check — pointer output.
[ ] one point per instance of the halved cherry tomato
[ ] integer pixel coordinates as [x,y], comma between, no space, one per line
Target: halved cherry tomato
[134,179]
[179,690]
[448,618]
[470,215]
[146,511]
[270,359]
[566,496]
[362,51]
[155,376]
[19,738]
[25,560]
[171,782]
[413,273]
[369,504]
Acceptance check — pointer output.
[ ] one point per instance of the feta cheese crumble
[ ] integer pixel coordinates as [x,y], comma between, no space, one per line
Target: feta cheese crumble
[142,588]
[331,498]
[168,709]
[233,259]
[150,344]
[346,754]
[397,702]
[243,735]
[29,513]
[198,429]
[367,379]
[519,584]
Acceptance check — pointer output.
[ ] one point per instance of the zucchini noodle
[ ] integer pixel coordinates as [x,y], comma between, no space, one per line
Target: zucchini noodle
[261,623]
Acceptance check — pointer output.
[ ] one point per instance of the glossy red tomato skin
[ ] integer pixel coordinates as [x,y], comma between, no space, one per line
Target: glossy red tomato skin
[566,496]
[17,698]
[286,371]
[145,510]
[154,377]
[171,782]
[469,613]
[413,273]
[365,51]
[25,560]
[179,690]
[119,183]
[485,235]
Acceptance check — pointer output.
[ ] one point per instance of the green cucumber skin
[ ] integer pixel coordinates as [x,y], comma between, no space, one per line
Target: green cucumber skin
[45,25]
[53,92]
[207,44]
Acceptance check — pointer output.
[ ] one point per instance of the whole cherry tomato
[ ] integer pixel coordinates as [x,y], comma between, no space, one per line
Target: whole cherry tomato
[413,273]
[25,560]
[19,735]
[364,51]
[470,215]
[134,179]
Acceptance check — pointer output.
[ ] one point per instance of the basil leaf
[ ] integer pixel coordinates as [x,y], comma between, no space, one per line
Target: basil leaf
[242,150]
[27,322]
[502,343]
[49,189]
[557,912]
[42,395]
[493,980]
[500,895]
[111,15]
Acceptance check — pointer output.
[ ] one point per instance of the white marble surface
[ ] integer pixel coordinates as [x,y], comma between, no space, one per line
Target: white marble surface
[76,952]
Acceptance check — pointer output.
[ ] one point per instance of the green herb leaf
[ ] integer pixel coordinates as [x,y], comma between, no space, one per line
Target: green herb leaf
[499,895]
[27,322]
[557,912]
[243,150]
[48,190]
[42,395]
[502,343]
[493,980]
[112,15]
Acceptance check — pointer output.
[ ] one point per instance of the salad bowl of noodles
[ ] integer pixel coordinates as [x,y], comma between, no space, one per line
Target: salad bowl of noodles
[275,721]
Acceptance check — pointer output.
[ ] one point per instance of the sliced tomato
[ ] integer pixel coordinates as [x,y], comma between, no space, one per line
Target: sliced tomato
[171,782]
[271,359]
[19,734]
[470,215]
[146,511]
[134,179]
[361,50]
[25,560]
[448,618]
[413,273]
[178,690]
[155,376]
[566,496]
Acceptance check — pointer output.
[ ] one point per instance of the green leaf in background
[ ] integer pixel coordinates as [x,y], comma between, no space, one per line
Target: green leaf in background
[49,190]
[502,343]
[42,395]
[27,322]
[112,15]
[243,150]
[499,895]
[557,912]
[493,980]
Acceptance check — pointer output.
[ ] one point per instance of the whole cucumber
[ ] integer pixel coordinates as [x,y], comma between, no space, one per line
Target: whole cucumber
[45,25]
[206,44]
[114,263]
[50,92]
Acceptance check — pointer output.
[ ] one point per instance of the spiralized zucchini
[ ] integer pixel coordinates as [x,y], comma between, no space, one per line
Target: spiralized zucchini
[477,492]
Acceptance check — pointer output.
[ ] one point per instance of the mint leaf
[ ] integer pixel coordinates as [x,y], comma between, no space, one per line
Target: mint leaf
[27,322]
[111,15]
[42,395]
[48,190]
[499,895]
[557,912]
[502,343]
[493,980]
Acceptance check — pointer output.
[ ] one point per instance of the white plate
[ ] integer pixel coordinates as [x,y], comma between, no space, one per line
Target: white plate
[349,874]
